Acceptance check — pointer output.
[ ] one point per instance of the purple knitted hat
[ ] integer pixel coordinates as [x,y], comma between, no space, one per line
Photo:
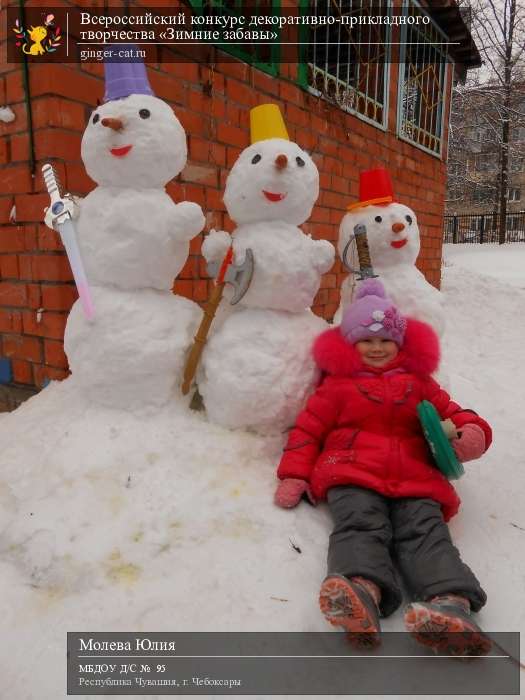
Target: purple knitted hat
[373,315]
[125,76]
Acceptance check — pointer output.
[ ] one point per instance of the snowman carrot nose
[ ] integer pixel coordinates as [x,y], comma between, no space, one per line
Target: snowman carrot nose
[115,124]
[281,161]
[397,228]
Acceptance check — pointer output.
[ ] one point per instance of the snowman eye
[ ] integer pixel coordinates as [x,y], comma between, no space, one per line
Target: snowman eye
[300,162]
[144,114]
[96,117]
[379,219]
[256,159]
[409,219]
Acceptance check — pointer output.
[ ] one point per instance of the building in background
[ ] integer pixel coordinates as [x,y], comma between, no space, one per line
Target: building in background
[372,96]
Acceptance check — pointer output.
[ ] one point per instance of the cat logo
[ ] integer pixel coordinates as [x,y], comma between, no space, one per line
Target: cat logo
[39,40]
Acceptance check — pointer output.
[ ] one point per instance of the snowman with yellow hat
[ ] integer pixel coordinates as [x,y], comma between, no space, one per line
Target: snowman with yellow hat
[393,239]
[256,368]
[270,191]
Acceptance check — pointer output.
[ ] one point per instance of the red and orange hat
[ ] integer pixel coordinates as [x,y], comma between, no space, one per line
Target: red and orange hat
[375,187]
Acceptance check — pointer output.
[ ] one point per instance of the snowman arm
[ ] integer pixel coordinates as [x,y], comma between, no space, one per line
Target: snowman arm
[77,205]
[323,256]
[187,221]
[215,245]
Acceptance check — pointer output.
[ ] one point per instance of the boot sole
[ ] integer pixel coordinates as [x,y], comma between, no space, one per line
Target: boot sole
[445,631]
[342,605]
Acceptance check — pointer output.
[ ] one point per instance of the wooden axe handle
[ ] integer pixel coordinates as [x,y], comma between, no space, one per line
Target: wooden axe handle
[200,337]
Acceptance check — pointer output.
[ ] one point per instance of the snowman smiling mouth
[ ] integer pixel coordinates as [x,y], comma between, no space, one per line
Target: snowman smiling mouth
[399,244]
[121,151]
[274,196]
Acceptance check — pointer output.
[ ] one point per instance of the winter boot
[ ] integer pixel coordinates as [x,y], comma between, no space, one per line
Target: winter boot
[444,624]
[353,605]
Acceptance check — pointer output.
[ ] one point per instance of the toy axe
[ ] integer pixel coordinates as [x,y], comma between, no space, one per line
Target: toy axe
[240,277]
[363,253]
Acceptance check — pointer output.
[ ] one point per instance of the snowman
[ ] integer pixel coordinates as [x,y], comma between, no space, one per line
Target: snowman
[256,368]
[133,240]
[393,240]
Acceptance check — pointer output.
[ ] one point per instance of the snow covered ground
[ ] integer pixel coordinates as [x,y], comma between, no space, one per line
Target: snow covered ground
[111,520]
[504,263]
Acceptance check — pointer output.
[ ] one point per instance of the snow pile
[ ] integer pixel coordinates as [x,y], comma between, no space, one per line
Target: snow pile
[115,520]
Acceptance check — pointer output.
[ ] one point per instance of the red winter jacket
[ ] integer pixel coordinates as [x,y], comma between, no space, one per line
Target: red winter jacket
[361,426]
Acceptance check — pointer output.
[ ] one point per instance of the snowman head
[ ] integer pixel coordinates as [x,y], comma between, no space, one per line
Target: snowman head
[272,180]
[134,142]
[392,233]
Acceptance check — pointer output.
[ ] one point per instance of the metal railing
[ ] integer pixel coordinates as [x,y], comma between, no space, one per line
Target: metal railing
[422,81]
[347,64]
[483,228]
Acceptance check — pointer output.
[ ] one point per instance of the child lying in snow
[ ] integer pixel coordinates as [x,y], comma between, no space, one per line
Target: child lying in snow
[359,443]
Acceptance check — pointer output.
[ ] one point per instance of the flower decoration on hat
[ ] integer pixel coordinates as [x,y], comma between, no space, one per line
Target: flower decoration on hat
[373,315]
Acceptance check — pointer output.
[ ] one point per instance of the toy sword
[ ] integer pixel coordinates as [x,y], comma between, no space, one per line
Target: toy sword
[59,216]
[363,253]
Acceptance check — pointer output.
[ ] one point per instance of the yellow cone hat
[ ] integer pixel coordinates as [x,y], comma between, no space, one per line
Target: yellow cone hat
[266,122]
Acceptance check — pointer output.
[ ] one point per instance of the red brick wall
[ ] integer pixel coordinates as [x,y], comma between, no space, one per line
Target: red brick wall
[36,289]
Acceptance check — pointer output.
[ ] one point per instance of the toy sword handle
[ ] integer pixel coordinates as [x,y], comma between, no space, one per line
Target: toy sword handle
[363,253]
[60,217]
[61,208]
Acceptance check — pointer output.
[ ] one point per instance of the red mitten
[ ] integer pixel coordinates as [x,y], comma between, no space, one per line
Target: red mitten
[471,443]
[290,491]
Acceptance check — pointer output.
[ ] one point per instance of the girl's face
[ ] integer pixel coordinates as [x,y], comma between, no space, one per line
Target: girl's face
[377,352]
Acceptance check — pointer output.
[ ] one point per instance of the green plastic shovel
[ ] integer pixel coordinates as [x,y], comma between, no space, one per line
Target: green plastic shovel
[444,456]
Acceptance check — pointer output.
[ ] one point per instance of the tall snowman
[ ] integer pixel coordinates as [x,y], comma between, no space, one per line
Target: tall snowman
[393,239]
[134,240]
[256,368]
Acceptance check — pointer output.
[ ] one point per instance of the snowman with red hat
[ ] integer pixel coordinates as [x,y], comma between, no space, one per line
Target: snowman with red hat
[133,240]
[393,239]
[257,366]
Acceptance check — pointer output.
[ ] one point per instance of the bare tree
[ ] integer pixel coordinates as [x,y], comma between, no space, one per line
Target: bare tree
[476,143]
[499,30]
[474,147]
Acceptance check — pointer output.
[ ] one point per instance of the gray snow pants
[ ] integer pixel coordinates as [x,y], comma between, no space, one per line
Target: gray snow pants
[372,531]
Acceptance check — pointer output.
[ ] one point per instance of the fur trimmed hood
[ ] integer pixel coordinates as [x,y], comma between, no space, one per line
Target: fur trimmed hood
[420,353]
